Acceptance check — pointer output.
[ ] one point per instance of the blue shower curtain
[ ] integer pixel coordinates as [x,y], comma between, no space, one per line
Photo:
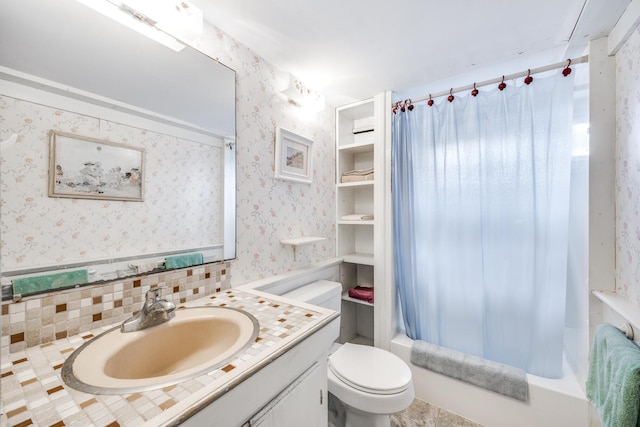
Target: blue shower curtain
[481,210]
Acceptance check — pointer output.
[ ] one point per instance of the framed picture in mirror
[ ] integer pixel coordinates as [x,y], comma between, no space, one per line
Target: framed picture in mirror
[90,168]
[294,157]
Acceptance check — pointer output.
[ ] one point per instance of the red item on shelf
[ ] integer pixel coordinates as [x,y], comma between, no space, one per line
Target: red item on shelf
[362,293]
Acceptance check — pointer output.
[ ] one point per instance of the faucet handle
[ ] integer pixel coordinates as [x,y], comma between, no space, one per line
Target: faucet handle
[153,295]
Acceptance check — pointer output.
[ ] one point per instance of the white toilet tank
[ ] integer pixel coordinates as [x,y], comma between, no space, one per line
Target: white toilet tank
[323,293]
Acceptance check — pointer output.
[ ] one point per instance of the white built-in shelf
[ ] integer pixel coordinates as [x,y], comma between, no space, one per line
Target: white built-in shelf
[301,241]
[622,306]
[346,297]
[359,258]
[369,222]
[355,183]
[359,147]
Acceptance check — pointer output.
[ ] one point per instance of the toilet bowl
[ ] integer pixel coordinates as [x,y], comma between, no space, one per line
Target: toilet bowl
[371,383]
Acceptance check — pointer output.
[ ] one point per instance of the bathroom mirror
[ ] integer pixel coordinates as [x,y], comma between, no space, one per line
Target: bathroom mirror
[67,68]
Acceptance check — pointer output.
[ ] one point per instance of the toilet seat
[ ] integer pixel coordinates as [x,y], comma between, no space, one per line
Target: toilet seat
[370,369]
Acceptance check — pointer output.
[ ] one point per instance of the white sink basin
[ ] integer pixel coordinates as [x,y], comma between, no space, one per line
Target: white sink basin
[197,340]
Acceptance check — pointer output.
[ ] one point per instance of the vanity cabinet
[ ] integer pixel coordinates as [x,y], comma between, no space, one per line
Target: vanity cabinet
[359,210]
[303,403]
[290,390]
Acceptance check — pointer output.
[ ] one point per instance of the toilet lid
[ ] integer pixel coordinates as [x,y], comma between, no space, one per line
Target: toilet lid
[370,369]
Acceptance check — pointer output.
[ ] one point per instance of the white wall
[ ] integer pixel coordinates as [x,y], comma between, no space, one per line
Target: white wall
[601,188]
[615,174]
[269,209]
[627,161]
[614,231]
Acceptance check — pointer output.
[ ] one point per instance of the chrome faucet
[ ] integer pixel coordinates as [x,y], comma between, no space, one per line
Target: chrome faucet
[154,312]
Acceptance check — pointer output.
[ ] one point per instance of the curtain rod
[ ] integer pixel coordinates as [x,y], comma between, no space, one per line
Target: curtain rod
[557,65]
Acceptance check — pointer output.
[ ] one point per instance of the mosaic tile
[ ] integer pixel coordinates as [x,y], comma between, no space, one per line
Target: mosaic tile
[41,319]
[49,401]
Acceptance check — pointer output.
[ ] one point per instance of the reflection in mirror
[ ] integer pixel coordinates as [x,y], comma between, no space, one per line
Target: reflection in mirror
[66,68]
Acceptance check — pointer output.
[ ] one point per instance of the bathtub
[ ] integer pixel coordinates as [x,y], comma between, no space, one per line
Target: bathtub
[552,402]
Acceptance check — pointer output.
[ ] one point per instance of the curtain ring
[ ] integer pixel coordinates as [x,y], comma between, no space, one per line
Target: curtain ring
[567,69]
[502,85]
[402,106]
[409,104]
[450,98]
[395,108]
[430,101]
[528,79]
[474,92]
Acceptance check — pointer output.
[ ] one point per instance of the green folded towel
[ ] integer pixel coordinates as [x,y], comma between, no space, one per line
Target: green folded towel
[186,260]
[613,385]
[28,285]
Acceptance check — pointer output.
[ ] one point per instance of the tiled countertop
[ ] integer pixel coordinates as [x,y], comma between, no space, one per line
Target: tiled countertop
[33,392]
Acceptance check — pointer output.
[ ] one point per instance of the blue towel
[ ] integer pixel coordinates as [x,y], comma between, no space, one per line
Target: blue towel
[613,385]
[181,261]
[28,285]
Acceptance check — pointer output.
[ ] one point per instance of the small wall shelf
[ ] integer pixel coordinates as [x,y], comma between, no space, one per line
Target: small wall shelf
[301,241]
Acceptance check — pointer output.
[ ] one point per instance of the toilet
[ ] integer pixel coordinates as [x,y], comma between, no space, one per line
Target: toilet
[371,383]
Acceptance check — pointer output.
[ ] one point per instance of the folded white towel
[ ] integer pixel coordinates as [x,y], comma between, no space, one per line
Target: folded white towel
[357,217]
[358,172]
[357,178]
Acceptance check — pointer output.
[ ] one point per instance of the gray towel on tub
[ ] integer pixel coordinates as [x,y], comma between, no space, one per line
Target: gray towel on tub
[475,370]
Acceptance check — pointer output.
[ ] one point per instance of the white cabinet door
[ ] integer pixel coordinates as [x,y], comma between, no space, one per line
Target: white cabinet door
[302,403]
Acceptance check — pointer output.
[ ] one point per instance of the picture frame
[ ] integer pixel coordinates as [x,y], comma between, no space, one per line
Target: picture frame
[293,157]
[81,167]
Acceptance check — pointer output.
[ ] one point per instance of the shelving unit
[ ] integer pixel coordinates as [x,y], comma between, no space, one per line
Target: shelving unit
[356,241]
[356,258]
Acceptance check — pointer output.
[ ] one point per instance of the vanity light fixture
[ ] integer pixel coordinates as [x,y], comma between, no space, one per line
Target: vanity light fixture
[302,96]
[162,21]
[180,18]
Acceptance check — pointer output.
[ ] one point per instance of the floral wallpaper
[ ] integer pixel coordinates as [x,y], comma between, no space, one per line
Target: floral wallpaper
[268,209]
[628,169]
[179,210]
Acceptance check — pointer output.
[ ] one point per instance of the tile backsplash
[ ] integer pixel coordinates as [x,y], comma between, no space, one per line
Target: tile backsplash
[44,318]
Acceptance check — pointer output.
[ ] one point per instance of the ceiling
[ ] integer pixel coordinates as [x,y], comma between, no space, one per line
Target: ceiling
[350,50]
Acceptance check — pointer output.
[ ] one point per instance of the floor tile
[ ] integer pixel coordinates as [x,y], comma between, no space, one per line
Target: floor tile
[423,414]
[419,414]
[448,419]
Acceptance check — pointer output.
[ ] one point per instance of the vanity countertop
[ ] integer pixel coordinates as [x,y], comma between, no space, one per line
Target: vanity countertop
[33,392]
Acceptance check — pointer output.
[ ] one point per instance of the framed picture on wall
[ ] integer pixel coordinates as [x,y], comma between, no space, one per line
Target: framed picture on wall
[294,157]
[89,168]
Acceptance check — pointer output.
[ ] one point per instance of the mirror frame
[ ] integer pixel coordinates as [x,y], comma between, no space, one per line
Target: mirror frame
[229,164]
